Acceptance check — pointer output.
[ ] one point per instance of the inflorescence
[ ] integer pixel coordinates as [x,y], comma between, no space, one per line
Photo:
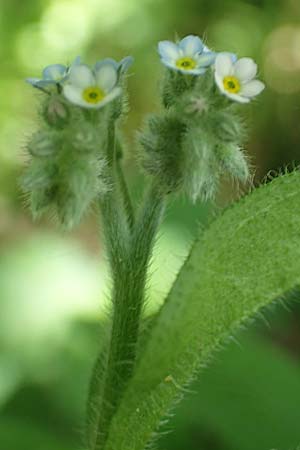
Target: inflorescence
[187,147]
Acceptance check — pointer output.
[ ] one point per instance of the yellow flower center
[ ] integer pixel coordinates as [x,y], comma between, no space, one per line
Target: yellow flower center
[232,85]
[186,63]
[93,94]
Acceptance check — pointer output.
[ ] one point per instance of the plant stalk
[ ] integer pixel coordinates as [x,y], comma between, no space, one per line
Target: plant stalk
[129,248]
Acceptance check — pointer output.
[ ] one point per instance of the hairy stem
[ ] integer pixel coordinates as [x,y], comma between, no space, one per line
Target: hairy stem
[117,239]
[128,299]
[125,193]
[129,252]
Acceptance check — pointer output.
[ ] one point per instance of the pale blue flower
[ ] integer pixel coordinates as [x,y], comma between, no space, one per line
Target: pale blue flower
[93,87]
[237,79]
[52,75]
[189,56]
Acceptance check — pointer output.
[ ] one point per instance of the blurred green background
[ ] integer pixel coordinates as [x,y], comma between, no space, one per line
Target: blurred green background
[54,286]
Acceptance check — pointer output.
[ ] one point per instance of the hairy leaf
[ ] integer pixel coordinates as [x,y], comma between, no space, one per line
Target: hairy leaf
[248,257]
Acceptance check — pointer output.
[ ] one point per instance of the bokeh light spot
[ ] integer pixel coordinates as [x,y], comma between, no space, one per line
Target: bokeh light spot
[282,59]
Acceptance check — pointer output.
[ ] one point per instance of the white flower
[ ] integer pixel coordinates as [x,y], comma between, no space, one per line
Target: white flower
[53,75]
[92,88]
[189,56]
[236,79]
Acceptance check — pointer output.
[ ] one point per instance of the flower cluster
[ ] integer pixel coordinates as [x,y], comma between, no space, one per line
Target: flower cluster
[68,154]
[187,147]
[199,137]
[88,87]
[234,78]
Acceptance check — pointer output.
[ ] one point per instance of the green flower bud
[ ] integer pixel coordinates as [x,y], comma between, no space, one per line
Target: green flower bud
[80,181]
[201,171]
[85,138]
[233,161]
[55,112]
[44,143]
[38,183]
[229,126]
[66,171]
[38,175]
[41,200]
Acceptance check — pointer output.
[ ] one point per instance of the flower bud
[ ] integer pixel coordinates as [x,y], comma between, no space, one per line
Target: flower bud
[44,143]
[80,181]
[85,138]
[40,201]
[55,112]
[228,126]
[201,171]
[233,161]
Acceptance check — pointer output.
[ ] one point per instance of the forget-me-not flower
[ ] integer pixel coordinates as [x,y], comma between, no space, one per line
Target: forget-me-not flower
[236,79]
[189,56]
[93,88]
[52,75]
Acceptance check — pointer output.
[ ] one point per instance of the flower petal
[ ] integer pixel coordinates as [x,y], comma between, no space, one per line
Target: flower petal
[206,49]
[224,65]
[76,62]
[38,83]
[172,66]
[233,56]
[125,63]
[191,45]
[237,98]
[54,72]
[74,95]
[81,76]
[32,81]
[206,59]
[105,61]
[168,50]
[107,75]
[219,83]
[197,71]
[114,93]
[245,69]
[253,88]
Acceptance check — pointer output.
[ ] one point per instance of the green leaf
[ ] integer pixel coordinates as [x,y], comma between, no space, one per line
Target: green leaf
[248,399]
[248,257]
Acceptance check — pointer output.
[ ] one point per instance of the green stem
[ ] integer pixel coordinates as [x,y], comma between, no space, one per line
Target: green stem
[128,299]
[126,195]
[117,240]
[129,252]
[123,185]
